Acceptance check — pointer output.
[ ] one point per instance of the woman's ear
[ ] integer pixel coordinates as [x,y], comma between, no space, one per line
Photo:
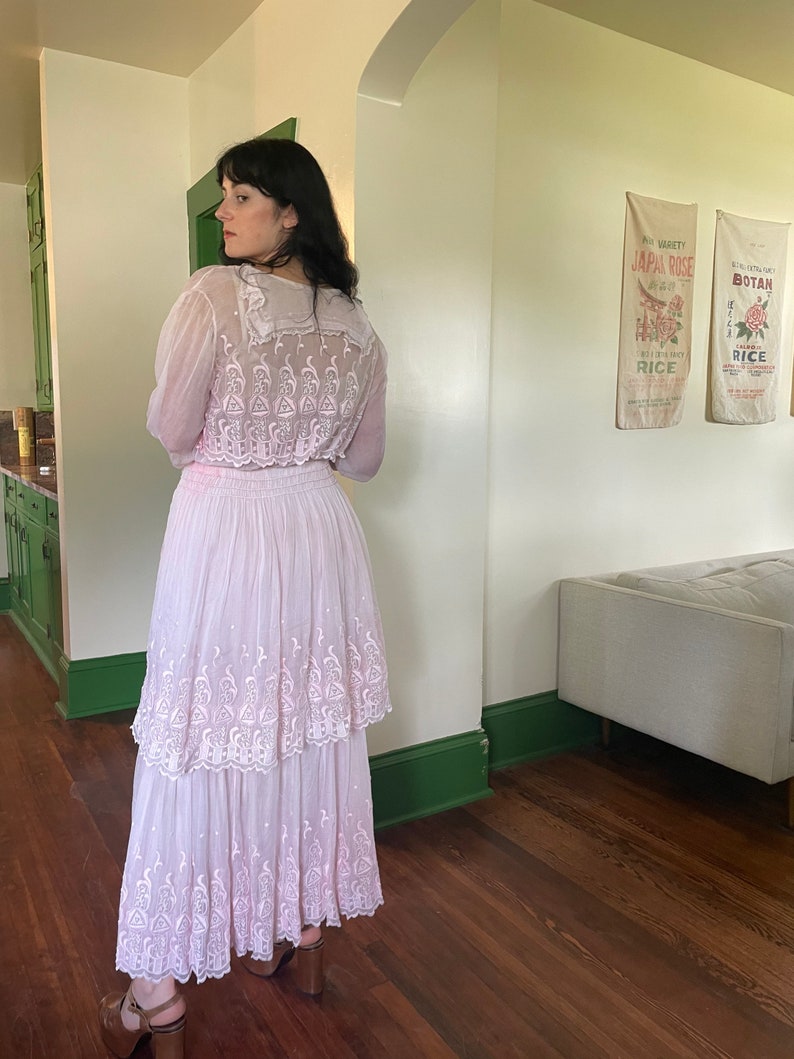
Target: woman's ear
[289,218]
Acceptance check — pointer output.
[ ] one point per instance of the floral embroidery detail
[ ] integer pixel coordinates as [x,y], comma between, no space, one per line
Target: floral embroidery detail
[289,395]
[180,917]
[273,711]
[199,938]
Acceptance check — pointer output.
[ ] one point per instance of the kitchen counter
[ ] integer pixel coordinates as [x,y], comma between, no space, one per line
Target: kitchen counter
[44,483]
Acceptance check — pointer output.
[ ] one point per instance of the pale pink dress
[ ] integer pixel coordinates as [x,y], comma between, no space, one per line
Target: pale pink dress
[252,812]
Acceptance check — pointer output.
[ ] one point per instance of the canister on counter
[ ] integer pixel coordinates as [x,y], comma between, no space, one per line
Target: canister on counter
[24,424]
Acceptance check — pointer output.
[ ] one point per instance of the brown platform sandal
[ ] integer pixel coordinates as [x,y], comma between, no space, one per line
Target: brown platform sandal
[168,1040]
[310,968]
[282,954]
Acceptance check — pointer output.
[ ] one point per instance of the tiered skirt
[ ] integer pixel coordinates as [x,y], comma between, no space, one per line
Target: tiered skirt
[252,810]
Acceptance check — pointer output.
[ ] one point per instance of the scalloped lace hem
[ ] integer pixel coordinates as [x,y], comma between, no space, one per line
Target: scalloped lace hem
[154,760]
[137,969]
[260,463]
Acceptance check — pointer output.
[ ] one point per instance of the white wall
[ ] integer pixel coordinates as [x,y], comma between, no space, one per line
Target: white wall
[116,168]
[17,375]
[584,116]
[424,199]
[291,58]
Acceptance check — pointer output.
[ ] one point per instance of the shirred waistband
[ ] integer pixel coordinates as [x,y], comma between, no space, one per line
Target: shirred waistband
[265,481]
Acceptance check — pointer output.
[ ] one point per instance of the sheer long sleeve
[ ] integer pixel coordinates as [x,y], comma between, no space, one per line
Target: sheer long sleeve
[364,455]
[184,371]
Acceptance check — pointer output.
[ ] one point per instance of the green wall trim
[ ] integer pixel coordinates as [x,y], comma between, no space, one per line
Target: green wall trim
[536,726]
[427,778]
[5,595]
[100,685]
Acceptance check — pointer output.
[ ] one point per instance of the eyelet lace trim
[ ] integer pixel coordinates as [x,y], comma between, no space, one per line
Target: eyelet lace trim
[287,396]
[258,714]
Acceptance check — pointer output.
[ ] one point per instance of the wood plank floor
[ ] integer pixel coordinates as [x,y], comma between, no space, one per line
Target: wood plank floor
[637,903]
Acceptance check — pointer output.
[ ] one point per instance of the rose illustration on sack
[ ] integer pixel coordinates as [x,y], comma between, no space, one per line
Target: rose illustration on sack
[666,328]
[755,317]
[755,320]
[660,321]
[668,323]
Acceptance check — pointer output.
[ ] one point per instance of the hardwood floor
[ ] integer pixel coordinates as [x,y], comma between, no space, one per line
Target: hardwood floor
[637,904]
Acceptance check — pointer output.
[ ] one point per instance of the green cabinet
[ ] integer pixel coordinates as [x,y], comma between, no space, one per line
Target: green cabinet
[23,552]
[52,559]
[34,566]
[35,199]
[37,244]
[12,546]
[39,298]
[39,576]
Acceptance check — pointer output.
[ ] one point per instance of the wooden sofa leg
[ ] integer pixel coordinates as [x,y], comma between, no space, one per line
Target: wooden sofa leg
[606,731]
[791,801]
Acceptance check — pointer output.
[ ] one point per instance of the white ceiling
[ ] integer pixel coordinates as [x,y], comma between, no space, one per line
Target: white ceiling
[752,40]
[755,41]
[173,36]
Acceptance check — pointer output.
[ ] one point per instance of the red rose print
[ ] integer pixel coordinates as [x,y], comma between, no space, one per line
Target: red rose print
[755,317]
[676,304]
[666,327]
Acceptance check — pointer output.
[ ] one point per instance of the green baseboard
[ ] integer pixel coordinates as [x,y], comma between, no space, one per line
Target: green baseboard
[100,685]
[421,780]
[5,595]
[535,726]
[430,777]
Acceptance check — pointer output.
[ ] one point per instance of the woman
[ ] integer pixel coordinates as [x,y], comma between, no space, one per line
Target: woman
[251,814]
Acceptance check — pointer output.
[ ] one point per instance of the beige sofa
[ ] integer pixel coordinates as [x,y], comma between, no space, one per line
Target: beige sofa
[699,655]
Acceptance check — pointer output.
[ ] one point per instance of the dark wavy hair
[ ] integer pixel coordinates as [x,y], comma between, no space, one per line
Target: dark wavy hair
[287,172]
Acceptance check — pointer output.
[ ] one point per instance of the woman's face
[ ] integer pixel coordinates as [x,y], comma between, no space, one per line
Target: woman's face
[254,225]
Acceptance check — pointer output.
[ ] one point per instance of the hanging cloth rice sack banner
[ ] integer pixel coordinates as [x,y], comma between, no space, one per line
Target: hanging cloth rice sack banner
[655,311]
[747,296]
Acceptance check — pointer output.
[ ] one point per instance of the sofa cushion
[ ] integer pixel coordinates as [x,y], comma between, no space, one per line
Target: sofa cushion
[764,589]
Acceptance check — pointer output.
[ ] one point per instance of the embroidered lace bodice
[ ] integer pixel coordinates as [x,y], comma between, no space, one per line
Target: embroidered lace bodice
[250,374]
